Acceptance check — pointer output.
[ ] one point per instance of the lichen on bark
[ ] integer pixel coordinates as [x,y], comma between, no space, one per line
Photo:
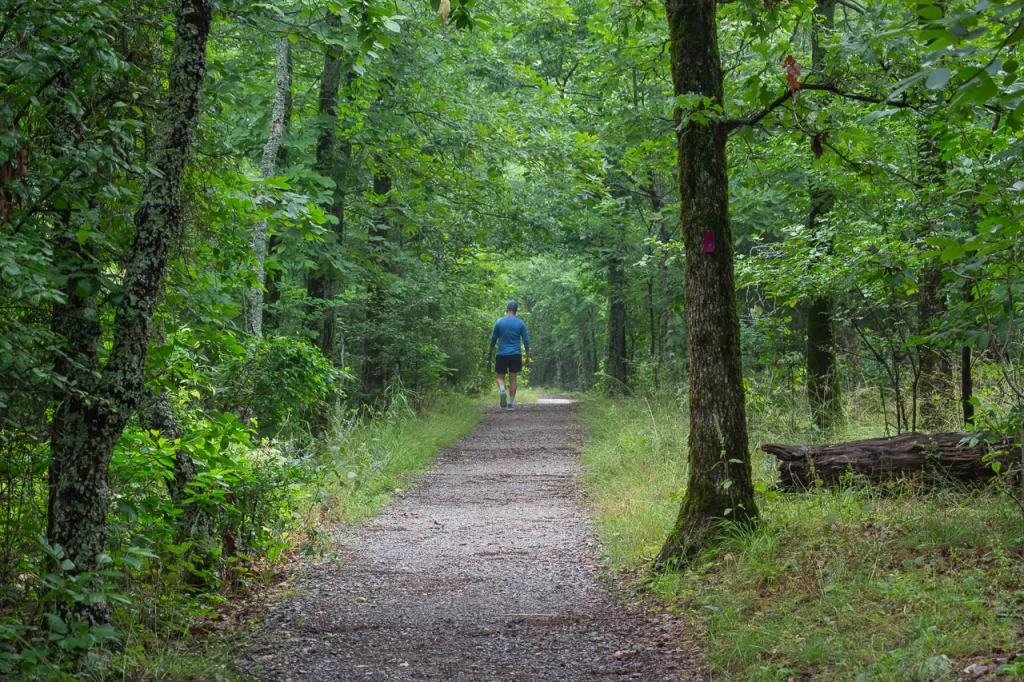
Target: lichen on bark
[91,424]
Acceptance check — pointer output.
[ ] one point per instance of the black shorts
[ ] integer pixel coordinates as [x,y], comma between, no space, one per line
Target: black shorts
[509,363]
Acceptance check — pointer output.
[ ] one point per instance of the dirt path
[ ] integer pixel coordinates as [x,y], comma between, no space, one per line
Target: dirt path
[484,571]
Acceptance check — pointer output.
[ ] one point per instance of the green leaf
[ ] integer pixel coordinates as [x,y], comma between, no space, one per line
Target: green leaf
[938,78]
[56,623]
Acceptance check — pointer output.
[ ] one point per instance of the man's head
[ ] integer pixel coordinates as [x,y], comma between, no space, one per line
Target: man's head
[512,308]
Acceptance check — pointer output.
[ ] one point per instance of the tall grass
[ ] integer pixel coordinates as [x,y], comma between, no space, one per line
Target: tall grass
[855,583]
[372,459]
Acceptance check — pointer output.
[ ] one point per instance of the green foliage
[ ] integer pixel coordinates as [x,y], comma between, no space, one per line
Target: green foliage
[854,583]
[520,159]
[283,382]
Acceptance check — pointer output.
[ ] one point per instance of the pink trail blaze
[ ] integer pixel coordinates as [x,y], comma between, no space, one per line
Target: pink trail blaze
[709,241]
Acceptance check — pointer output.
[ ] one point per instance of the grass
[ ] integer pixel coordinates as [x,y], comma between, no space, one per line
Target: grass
[840,584]
[373,460]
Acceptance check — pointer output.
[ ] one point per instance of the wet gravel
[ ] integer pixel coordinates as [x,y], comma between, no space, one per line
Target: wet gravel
[484,571]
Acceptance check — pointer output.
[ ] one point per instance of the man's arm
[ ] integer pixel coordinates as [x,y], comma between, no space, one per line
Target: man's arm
[494,340]
[526,344]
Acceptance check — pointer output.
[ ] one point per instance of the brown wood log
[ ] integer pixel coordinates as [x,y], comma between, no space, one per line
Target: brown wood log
[928,458]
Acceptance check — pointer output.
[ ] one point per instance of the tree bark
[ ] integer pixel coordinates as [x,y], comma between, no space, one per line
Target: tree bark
[720,486]
[271,151]
[321,285]
[75,322]
[930,458]
[85,435]
[966,377]
[823,390]
[374,365]
[615,364]
[935,384]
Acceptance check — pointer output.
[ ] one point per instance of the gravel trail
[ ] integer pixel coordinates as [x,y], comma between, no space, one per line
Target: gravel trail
[485,570]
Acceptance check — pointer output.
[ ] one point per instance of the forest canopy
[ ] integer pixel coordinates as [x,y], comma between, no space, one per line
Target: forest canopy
[233,233]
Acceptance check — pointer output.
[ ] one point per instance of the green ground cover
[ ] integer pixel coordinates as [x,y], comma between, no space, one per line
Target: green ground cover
[847,584]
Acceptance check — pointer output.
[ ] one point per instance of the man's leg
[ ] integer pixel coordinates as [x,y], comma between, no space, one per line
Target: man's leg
[512,386]
[501,389]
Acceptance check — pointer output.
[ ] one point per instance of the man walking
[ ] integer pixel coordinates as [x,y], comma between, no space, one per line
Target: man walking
[507,333]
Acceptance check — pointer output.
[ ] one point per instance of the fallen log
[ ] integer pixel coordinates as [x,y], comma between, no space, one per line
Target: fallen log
[930,458]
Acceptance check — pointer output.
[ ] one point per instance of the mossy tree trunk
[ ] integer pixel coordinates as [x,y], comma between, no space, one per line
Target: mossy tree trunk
[823,392]
[75,322]
[719,486]
[90,425]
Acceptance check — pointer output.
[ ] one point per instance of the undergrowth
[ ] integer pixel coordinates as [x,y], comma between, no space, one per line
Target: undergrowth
[855,583]
[163,632]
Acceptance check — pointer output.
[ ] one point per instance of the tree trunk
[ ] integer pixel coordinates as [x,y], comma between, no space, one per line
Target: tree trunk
[75,322]
[374,365]
[282,96]
[90,426]
[966,378]
[321,284]
[935,383]
[935,375]
[931,458]
[615,365]
[822,376]
[719,486]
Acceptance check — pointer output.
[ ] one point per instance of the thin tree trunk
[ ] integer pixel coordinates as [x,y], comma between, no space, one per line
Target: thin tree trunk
[936,386]
[321,284]
[273,294]
[966,378]
[282,97]
[90,426]
[823,391]
[719,486]
[374,366]
[660,329]
[615,365]
[653,330]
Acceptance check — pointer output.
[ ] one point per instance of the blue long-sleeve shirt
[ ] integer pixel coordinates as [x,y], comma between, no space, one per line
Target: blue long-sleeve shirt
[507,333]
